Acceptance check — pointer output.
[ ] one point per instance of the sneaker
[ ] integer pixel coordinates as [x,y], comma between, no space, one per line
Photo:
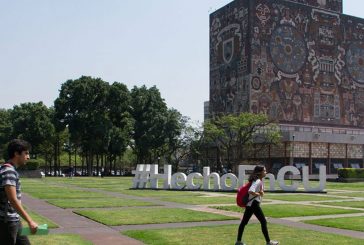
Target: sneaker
[240,243]
[273,242]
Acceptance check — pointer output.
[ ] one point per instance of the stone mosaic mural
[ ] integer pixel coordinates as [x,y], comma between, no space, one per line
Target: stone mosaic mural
[332,5]
[296,63]
[229,80]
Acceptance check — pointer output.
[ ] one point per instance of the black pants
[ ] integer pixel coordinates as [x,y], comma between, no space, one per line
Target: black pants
[257,211]
[10,234]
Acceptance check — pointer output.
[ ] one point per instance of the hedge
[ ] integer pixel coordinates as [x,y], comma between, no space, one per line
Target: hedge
[32,164]
[351,173]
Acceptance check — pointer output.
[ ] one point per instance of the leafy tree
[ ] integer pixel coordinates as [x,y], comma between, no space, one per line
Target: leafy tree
[221,133]
[119,106]
[5,130]
[246,132]
[32,122]
[82,106]
[150,117]
[176,138]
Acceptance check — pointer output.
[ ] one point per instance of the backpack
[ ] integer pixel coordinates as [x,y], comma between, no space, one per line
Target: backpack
[242,197]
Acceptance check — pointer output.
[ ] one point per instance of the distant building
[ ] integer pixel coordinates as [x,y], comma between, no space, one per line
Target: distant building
[206,106]
[302,63]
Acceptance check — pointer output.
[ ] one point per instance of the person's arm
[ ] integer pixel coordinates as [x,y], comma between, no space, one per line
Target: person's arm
[16,204]
[252,189]
[255,193]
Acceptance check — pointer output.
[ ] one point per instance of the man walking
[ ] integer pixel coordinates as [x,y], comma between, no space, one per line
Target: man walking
[10,195]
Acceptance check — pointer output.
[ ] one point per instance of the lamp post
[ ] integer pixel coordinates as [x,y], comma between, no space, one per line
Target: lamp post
[292,156]
[292,151]
[159,158]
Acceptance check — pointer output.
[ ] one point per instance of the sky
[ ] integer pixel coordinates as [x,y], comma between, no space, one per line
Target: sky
[44,43]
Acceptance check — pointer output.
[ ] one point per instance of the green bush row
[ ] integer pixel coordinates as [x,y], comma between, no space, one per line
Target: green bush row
[32,164]
[351,173]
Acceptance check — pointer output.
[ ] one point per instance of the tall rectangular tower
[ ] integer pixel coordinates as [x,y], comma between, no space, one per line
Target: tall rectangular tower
[298,61]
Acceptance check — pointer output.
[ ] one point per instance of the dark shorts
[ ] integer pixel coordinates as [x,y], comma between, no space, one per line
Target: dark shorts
[10,234]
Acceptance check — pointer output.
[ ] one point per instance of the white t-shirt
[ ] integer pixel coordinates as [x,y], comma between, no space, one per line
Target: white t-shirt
[256,186]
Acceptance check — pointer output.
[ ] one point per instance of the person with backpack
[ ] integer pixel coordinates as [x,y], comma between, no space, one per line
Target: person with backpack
[256,192]
[10,195]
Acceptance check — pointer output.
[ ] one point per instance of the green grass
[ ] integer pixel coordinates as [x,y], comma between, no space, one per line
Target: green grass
[298,198]
[353,204]
[227,235]
[352,223]
[63,193]
[200,200]
[349,194]
[39,220]
[97,202]
[288,210]
[58,239]
[136,216]
[88,182]
[345,186]
[156,193]
[126,183]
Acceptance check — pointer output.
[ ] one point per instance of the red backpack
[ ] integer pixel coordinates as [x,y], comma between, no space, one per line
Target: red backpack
[242,197]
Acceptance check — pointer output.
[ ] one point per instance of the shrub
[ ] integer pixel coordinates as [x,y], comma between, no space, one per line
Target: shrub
[32,164]
[351,173]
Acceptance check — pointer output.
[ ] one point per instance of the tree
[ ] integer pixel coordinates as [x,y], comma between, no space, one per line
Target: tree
[176,138]
[32,122]
[240,132]
[119,106]
[5,129]
[150,117]
[82,106]
[221,132]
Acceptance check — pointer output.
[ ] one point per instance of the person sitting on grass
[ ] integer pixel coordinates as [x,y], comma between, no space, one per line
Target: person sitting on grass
[256,192]
[10,204]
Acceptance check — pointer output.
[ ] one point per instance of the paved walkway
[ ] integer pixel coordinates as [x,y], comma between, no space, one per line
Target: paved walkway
[101,234]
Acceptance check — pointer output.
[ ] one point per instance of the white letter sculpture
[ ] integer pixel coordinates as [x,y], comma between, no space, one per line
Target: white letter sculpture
[280,178]
[190,184]
[154,176]
[234,182]
[146,173]
[177,179]
[206,179]
[322,183]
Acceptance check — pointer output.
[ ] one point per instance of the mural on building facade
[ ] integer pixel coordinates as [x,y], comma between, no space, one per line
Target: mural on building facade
[229,59]
[306,65]
[333,5]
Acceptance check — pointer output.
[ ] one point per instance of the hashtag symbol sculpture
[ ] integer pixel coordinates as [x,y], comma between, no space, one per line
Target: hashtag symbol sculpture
[142,176]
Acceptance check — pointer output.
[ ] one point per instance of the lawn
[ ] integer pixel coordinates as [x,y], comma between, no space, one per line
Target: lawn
[227,235]
[349,194]
[97,202]
[288,210]
[157,193]
[136,216]
[353,204]
[58,239]
[352,223]
[200,200]
[62,193]
[357,186]
[298,198]
[39,220]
